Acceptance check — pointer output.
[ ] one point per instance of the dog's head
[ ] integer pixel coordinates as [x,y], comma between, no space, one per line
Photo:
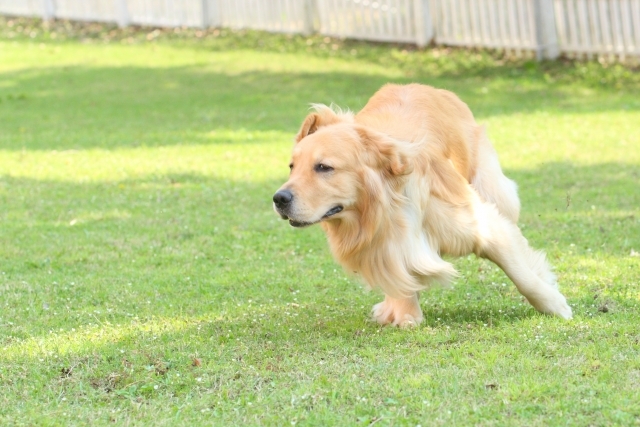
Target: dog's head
[335,166]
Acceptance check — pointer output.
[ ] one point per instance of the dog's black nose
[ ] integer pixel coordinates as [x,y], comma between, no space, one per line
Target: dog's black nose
[282,197]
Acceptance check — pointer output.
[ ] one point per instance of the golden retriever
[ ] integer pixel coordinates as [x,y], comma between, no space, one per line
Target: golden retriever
[409,178]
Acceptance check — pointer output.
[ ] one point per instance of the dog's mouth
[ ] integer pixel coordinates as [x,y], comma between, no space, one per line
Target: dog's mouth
[333,211]
[298,224]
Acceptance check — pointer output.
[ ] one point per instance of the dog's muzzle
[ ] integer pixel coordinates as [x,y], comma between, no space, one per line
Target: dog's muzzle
[282,201]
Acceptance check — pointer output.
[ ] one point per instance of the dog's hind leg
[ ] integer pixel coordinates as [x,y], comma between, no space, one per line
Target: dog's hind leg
[503,243]
[489,181]
[398,312]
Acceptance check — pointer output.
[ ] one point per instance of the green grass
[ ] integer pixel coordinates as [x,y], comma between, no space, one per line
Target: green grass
[145,280]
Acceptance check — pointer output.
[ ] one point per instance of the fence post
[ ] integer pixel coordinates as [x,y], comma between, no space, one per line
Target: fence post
[204,10]
[48,10]
[211,13]
[547,37]
[310,10]
[423,22]
[124,19]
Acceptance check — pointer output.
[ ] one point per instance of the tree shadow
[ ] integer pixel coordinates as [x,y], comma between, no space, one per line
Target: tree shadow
[442,62]
[110,107]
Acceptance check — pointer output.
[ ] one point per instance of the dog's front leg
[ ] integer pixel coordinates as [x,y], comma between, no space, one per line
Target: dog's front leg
[403,312]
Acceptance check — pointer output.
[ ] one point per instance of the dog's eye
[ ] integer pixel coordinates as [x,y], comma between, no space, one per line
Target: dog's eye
[322,168]
[290,166]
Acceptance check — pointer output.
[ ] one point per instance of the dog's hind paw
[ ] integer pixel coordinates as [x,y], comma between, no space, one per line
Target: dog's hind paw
[562,310]
[555,305]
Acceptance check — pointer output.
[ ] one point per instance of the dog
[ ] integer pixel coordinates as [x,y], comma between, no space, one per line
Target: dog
[409,178]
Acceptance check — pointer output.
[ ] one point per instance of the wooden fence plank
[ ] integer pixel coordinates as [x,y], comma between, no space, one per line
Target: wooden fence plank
[627,28]
[635,12]
[602,27]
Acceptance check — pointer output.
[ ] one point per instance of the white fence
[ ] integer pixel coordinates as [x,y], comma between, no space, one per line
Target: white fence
[390,21]
[284,16]
[544,27]
[497,24]
[599,26]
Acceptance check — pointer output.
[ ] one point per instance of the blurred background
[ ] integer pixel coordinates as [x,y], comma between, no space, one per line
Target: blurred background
[544,28]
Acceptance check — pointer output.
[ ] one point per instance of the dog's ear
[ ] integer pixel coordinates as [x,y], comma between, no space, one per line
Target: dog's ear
[386,153]
[323,116]
[309,126]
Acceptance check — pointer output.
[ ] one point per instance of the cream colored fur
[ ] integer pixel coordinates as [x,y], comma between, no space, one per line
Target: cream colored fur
[417,178]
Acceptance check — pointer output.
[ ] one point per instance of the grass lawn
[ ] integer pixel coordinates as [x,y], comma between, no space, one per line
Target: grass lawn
[145,280]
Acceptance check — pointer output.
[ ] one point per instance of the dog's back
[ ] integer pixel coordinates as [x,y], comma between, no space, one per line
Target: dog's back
[422,113]
[440,120]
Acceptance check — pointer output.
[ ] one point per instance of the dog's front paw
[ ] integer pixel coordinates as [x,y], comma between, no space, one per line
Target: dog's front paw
[405,313]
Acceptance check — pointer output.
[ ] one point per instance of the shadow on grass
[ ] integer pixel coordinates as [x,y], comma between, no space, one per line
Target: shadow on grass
[78,107]
[132,359]
[443,62]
